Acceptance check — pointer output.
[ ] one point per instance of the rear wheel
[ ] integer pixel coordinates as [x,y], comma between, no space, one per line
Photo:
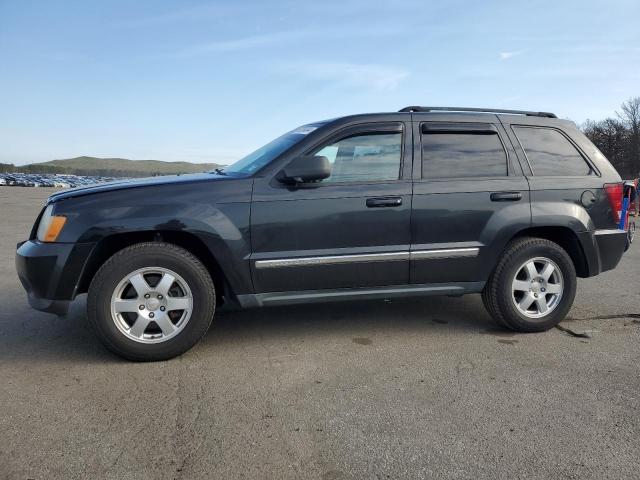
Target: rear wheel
[151,301]
[533,286]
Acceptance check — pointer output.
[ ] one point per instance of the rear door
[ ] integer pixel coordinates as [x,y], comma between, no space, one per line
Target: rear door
[349,230]
[470,197]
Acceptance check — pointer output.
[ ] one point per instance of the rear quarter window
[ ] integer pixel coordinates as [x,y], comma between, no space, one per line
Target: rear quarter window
[550,153]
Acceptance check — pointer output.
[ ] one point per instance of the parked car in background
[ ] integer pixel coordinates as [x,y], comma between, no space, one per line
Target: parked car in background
[426,201]
[50,180]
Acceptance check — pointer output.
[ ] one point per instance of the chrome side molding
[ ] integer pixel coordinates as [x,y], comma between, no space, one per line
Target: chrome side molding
[445,253]
[332,260]
[368,257]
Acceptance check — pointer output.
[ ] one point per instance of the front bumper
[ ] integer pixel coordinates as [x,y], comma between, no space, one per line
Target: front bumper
[51,272]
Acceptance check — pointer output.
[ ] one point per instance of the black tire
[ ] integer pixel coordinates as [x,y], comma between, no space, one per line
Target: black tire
[140,256]
[497,295]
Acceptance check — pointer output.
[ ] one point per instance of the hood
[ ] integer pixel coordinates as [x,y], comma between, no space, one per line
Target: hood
[135,183]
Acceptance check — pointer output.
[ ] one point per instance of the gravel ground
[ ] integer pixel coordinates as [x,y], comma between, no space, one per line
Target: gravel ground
[421,388]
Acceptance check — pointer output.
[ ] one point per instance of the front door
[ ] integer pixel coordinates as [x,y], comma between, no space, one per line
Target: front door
[349,230]
[470,197]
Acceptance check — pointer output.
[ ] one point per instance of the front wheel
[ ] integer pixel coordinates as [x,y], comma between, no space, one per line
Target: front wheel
[151,301]
[533,286]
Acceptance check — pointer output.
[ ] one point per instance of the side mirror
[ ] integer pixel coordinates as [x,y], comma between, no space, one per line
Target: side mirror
[306,169]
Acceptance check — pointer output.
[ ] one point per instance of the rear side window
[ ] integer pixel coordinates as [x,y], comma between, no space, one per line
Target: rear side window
[550,153]
[457,154]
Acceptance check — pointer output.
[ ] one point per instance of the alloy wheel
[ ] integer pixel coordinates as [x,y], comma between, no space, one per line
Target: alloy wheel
[537,287]
[151,305]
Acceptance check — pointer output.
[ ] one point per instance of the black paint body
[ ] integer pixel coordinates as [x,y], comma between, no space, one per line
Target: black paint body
[232,222]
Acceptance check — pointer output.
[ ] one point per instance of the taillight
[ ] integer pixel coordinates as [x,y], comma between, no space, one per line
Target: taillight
[615,192]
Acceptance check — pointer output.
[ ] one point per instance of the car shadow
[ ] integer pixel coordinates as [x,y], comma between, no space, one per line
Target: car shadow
[420,315]
[29,336]
[39,337]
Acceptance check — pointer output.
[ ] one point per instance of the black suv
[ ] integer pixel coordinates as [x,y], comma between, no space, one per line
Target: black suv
[426,201]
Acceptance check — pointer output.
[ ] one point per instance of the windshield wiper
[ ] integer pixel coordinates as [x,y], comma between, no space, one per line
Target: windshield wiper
[219,171]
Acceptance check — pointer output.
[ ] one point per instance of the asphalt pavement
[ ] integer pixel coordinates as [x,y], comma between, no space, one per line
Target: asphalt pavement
[420,388]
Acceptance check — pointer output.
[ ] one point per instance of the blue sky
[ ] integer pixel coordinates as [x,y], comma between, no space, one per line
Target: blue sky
[211,81]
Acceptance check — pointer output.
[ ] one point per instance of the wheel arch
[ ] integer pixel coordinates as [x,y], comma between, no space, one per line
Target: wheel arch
[567,239]
[112,244]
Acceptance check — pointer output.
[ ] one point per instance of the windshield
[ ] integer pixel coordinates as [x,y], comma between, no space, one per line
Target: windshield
[264,155]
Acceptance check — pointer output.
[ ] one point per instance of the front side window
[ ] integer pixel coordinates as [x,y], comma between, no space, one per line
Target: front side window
[550,153]
[459,154]
[364,157]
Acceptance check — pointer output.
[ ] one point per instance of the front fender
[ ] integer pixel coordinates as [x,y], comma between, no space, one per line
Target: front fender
[217,215]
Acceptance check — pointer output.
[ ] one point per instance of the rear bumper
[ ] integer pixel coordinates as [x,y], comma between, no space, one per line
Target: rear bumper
[50,273]
[611,245]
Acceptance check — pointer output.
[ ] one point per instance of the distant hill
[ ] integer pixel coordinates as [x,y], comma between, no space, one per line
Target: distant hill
[111,167]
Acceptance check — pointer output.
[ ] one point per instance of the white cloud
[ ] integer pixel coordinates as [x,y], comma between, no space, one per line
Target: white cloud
[369,76]
[189,14]
[508,55]
[284,37]
[508,100]
[242,43]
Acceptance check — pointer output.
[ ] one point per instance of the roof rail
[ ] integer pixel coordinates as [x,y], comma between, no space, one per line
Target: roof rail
[480,110]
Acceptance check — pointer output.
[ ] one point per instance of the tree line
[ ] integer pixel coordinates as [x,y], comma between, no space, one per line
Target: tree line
[618,138]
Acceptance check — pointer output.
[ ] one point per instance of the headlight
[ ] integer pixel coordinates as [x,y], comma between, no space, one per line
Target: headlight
[50,226]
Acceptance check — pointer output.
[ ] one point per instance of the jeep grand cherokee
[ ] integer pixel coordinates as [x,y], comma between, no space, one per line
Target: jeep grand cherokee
[426,201]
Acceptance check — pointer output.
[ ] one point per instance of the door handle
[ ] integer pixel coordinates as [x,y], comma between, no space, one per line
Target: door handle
[377,202]
[506,196]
